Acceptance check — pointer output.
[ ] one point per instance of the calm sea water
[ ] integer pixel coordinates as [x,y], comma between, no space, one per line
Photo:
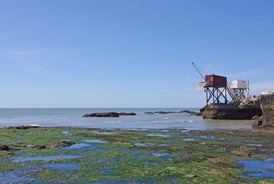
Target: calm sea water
[72,117]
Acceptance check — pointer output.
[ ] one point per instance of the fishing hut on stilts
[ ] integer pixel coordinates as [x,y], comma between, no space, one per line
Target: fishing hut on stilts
[218,91]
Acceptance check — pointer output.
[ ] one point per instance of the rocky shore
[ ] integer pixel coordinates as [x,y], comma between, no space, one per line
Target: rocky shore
[242,110]
[266,121]
[260,109]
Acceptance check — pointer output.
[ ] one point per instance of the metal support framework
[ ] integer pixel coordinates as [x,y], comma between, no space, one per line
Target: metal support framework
[240,93]
[216,95]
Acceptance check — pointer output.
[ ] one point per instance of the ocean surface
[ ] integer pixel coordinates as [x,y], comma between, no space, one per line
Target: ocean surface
[72,117]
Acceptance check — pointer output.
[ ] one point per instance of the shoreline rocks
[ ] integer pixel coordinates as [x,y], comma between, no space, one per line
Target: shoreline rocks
[245,109]
[230,112]
[266,120]
[109,114]
[259,109]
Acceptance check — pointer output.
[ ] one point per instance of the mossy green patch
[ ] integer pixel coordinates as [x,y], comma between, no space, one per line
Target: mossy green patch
[135,156]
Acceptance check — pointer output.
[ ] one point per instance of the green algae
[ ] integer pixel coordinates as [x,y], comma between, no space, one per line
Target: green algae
[166,158]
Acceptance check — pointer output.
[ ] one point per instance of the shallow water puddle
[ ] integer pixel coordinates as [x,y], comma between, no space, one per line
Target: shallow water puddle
[61,166]
[185,131]
[158,135]
[140,144]
[162,155]
[152,163]
[144,144]
[212,138]
[83,147]
[44,158]
[107,172]
[255,145]
[103,133]
[258,168]
[158,154]
[14,177]
[95,141]
[189,139]
[67,133]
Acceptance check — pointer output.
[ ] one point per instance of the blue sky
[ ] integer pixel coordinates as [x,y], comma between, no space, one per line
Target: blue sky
[130,53]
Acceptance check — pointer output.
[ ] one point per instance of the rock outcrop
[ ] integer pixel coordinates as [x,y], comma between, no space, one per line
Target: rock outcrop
[242,110]
[109,114]
[266,121]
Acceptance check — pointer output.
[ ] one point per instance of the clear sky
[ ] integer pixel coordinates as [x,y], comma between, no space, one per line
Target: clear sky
[130,53]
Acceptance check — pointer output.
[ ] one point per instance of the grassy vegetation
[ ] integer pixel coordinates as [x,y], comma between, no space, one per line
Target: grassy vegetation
[158,156]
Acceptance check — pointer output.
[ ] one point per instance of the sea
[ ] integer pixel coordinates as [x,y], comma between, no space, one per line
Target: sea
[72,117]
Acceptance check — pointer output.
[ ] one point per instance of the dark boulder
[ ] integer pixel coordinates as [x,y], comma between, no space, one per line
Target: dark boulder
[4,147]
[107,114]
[127,114]
[102,114]
[90,115]
[110,114]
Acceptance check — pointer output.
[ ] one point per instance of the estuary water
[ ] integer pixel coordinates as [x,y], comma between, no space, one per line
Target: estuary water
[72,117]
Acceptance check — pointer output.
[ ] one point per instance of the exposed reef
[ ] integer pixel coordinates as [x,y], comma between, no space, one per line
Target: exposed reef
[109,114]
[172,112]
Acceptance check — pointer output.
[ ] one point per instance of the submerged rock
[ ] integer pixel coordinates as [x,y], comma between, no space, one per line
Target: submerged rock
[192,112]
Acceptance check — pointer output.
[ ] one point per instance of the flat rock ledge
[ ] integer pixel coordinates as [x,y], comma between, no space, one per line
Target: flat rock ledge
[109,114]
[230,112]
